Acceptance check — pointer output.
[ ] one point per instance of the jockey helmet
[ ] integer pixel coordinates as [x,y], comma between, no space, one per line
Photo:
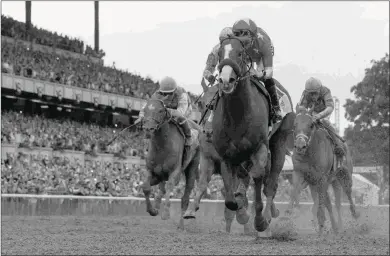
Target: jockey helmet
[225,33]
[167,85]
[313,85]
[244,27]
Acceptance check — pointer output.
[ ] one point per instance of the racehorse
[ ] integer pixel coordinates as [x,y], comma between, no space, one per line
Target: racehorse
[315,164]
[210,161]
[241,129]
[164,159]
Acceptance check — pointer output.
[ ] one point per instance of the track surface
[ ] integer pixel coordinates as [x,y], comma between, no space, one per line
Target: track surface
[141,234]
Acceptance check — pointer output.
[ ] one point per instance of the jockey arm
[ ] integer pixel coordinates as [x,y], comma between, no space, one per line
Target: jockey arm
[212,61]
[182,107]
[142,112]
[267,50]
[329,105]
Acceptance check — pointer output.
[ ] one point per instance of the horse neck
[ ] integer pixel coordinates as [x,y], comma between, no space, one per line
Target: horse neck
[160,138]
[315,142]
[239,99]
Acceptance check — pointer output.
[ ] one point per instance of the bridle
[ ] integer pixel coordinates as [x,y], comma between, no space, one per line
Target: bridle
[302,136]
[157,118]
[235,65]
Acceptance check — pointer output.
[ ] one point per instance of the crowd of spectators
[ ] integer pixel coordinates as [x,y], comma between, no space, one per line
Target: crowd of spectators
[59,134]
[16,29]
[18,59]
[22,174]
[23,60]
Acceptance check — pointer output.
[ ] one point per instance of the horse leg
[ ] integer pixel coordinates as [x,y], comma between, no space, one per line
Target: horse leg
[328,205]
[298,184]
[337,194]
[229,216]
[160,195]
[190,174]
[345,180]
[322,190]
[314,208]
[206,171]
[169,186]
[228,176]
[278,156]
[151,180]
[260,223]
[242,215]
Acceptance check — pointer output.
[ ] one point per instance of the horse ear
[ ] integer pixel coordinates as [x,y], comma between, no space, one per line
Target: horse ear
[204,86]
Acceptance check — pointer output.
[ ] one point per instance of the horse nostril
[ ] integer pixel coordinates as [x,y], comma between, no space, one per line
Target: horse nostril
[232,80]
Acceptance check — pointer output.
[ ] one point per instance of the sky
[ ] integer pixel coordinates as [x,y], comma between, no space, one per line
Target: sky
[334,41]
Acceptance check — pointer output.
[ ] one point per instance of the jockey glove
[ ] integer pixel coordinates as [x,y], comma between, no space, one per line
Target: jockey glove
[211,79]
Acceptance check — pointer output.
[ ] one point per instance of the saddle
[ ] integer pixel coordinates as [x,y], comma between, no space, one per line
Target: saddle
[195,129]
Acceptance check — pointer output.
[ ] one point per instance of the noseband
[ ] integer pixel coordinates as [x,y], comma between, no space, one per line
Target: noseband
[304,137]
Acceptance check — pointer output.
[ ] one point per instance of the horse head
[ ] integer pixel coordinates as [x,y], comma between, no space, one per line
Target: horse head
[234,63]
[304,128]
[155,115]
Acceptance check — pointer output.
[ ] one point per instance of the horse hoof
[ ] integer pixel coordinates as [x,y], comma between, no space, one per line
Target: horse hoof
[153,212]
[356,215]
[275,213]
[248,231]
[233,206]
[261,223]
[242,216]
[165,215]
[189,215]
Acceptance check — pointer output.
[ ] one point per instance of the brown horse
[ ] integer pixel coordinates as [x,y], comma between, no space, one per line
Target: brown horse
[314,164]
[210,162]
[240,133]
[164,159]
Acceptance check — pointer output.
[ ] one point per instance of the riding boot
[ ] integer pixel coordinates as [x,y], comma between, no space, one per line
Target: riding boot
[271,88]
[188,140]
[339,149]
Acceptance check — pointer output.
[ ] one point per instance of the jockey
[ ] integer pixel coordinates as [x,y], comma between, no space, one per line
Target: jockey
[212,59]
[319,98]
[177,102]
[262,52]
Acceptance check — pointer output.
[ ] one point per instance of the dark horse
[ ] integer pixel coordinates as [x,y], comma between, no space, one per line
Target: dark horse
[210,162]
[240,133]
[164,160]
[315,164]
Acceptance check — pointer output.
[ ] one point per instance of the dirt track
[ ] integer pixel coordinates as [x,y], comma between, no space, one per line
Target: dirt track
[147,235]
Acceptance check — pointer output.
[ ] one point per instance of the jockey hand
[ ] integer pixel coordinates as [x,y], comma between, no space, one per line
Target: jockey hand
[316,118]
[211,79]
[138,120]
